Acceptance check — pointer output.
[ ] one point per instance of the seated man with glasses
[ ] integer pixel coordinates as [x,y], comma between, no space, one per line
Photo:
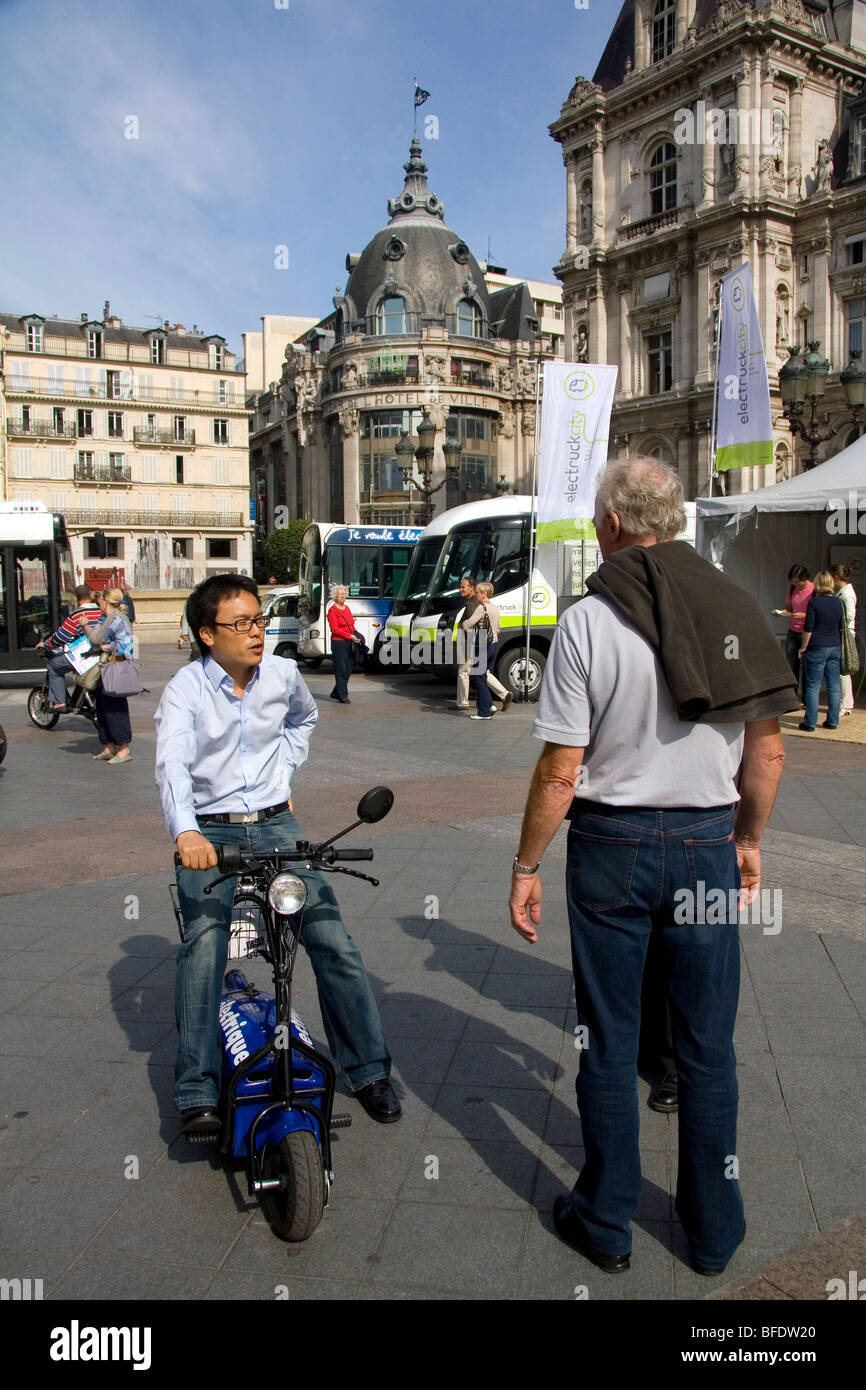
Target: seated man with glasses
[231,730]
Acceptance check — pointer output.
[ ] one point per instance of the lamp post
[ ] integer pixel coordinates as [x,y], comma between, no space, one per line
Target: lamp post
[803,380]
[424,453]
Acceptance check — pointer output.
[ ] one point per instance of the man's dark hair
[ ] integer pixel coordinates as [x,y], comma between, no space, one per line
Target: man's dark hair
[204,601]
[83,592]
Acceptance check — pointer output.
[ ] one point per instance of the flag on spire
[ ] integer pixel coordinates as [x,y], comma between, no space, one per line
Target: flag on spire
[420,95]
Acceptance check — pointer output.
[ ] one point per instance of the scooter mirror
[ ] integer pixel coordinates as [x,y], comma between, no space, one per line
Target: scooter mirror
[375,804]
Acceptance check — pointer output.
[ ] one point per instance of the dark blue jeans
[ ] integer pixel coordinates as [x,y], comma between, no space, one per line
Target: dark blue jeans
[478,683]
[626,872]
[822,663]
[343,657]
[349,1011]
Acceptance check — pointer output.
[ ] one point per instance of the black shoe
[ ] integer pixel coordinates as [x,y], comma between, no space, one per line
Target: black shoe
[379,1101]
[345,700]
[573,1232]
[702,1269]
[809,728]
[825,725]
[664,1095]
[334,695]
[200,1124]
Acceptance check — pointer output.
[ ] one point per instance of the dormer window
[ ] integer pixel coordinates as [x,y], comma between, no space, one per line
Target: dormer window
[391,316]
[215,352]
[34,337]
[664,29]
[157,350]
[469,320]
[94,342]
[663,179]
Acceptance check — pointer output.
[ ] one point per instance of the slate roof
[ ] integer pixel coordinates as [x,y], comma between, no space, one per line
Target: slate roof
[75,328]
[513,314]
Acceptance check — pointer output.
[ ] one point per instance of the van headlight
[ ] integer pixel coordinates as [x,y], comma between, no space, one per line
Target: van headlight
[287,894]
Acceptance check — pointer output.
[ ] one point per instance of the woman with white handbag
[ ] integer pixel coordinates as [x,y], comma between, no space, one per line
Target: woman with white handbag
[119,678]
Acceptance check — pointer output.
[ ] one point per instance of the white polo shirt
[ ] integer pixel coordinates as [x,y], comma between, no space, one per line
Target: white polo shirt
[604,690]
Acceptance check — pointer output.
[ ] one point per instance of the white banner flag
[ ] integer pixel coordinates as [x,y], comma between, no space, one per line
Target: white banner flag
[744,433]
[575,418]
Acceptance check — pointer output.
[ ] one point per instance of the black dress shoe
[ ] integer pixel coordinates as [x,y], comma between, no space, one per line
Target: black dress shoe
[702,1269]
[664,1095]
[573,1232]
[379,1101]
[200,1124]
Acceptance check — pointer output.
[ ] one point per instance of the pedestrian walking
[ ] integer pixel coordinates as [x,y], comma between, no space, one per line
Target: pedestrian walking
[847,593]
[114,637]
[232,729]
[821,652]
[127,607]
[343,639]
[470,597]
[640,698]
[800,590]
[484,623]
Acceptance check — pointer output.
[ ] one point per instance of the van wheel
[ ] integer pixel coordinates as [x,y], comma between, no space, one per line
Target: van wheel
[286,649]
[510,670]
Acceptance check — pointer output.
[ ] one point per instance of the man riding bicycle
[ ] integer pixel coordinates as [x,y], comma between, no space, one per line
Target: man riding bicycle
[74,625]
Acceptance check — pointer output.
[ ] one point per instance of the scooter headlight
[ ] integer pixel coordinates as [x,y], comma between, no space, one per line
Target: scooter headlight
[287,894]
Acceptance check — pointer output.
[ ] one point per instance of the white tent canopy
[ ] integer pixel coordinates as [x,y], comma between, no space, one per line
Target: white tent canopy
[816,519]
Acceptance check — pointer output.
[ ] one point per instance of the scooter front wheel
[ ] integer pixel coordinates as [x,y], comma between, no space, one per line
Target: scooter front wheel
[39,708]
[296,1209]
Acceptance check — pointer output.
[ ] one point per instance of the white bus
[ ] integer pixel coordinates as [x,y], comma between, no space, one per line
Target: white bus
[37,583]
[370,561]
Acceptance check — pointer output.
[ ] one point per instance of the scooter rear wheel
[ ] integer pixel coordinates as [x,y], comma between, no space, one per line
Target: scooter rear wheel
[39,709]
[296,1210]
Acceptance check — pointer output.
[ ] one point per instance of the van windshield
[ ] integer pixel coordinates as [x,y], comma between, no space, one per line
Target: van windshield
[496,551]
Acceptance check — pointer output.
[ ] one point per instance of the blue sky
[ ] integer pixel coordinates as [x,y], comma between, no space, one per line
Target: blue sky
[260,127]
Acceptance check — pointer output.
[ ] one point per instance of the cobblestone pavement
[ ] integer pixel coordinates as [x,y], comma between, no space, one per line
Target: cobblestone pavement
[480,1026]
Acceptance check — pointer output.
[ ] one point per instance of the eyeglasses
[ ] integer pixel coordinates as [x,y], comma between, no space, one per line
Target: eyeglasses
[246,624]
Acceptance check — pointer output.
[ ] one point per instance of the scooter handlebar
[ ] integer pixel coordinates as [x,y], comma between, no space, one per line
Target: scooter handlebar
[229,856]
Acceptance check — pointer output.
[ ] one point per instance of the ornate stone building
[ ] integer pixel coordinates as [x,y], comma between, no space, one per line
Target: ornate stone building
[715,131]
[417,330]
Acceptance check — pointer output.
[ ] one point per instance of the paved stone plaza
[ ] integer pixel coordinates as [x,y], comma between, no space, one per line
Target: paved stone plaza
[480,1026]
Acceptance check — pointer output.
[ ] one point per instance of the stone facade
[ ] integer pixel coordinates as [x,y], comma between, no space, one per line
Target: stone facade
[141,433]
[713,132]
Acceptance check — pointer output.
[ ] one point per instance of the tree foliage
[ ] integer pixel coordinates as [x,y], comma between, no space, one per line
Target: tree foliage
[282,550]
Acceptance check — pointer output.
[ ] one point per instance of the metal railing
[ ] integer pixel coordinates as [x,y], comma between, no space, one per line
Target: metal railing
[159,395]
[144,434]
[402,325]
[175,521]
[39,429]
[410,379]
[103,473]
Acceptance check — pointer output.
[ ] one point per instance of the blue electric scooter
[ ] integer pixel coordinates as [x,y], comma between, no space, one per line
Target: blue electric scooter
[277,1092]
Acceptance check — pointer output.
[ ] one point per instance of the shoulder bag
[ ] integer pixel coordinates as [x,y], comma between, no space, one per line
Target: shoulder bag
[121,676]
[850,655]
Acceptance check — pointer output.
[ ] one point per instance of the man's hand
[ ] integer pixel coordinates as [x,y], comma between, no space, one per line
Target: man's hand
[195,851]
[524,904]
[749,860]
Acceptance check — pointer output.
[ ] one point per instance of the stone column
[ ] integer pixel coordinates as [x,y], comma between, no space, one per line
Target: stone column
[795,140]
[598,199]
[768,75]
[624,381]
[686,357]
[570,205]
[743,163]
[708,156]
[351,466]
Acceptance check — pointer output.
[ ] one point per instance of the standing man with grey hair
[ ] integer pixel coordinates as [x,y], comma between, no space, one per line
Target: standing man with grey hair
[661,684]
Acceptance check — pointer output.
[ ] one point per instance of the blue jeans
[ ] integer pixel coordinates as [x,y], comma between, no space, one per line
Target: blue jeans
[343,656]
[822,663]
[626,871]
[478,683]
[349,1011]
[59,668]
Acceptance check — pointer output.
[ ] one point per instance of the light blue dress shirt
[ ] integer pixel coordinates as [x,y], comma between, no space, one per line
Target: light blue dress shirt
[217,753]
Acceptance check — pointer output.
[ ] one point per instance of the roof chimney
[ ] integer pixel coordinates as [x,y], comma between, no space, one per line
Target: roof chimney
[106,311]
[179,328]
[166,325]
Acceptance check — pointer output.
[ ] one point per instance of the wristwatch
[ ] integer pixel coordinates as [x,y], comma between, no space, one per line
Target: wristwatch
[528,870]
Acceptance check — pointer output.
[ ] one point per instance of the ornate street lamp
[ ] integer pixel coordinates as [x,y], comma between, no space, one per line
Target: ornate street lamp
[804,380]
[424,453]
[502,485]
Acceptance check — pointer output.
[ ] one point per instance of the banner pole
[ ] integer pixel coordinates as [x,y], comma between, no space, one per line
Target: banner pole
[533,515]
[716,389]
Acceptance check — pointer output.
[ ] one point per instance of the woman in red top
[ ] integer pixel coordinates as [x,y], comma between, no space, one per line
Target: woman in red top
[343,635]
[800,590]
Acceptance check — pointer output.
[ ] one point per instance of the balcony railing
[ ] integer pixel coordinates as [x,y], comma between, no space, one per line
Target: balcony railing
[649,224]
[103,473]
[160,521]
[39,429]
[398,326]
[409,379]
[166,438]
[110,391]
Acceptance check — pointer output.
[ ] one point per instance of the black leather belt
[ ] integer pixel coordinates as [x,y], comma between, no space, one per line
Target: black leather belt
[244,817]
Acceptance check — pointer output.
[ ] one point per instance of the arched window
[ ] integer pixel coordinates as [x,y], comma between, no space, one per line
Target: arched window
[783,462]
[469,319]
[660,452]
[391,316]
[664,35]
[663,179]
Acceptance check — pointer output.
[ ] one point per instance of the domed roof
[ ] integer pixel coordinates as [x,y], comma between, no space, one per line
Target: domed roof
[415,257]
